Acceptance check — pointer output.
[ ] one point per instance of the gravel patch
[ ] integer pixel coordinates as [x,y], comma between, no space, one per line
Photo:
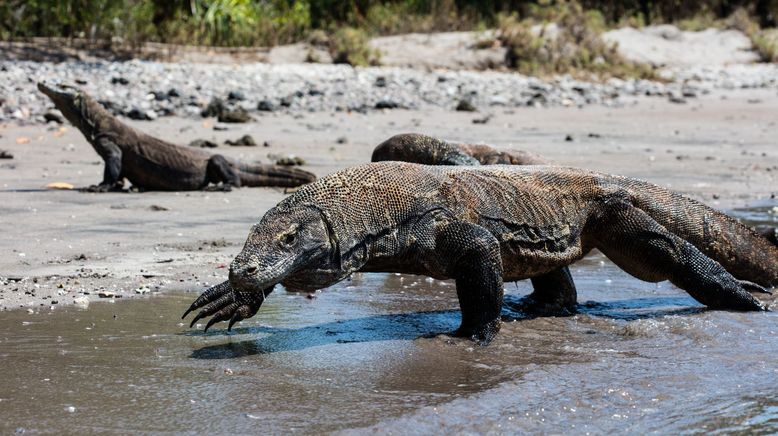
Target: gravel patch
[146,90]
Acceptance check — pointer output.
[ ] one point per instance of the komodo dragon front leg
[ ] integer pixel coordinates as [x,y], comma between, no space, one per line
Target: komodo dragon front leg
[470,254]
[113,181]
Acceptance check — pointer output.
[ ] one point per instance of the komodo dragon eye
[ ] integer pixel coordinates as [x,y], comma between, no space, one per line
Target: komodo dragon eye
[289,238]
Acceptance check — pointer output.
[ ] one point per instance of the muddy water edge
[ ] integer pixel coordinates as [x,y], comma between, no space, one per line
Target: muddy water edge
[638,357]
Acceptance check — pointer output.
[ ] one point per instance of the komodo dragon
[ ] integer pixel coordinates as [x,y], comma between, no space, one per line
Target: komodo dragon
[484,225]
[427,150]
[423,149]
[153,164]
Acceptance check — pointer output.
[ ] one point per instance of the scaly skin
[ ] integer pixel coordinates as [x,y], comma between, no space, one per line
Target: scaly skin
[482,226]
[150,163]
[423,149]
[554,294]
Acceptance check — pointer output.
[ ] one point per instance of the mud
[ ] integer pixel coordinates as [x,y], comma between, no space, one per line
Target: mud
[638,357]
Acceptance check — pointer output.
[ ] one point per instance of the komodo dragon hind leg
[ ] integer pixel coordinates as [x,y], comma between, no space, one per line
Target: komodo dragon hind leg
[219,170]
[646,250]
[554,294]
[471,256]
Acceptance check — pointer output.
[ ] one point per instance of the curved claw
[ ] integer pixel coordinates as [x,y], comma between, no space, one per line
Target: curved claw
[243,312]
[213,307]
[222,315]
[753,287]
[211,294]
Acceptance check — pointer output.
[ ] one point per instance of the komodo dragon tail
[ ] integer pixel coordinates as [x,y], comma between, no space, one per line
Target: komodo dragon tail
[743,252]
[272,175]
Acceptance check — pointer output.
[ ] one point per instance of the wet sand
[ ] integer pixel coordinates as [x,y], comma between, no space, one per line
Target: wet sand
[638,357]
[641,357]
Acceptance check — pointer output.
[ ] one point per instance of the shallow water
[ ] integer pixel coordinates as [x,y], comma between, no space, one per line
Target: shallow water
[638,357]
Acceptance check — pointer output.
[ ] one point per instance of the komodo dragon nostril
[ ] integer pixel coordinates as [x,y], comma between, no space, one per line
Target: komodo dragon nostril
[251,270]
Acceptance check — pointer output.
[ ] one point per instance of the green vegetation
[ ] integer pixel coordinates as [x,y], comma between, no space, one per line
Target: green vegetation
[346,24]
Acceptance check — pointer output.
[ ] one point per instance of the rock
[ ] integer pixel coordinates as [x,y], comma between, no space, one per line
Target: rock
[215,108]
[53,115]
[203,143]
[81,301]
[465,106]
[569,138]
[387,104]
[141,114]
[266,106]
[108,294]
[157,208]
[236,96]
[677,99]
[6,154]
[237,115]
[173,92]
[290,160]
[119,81]
[245,140]
[160,95]
[342,140]
[380,82]
[483,120]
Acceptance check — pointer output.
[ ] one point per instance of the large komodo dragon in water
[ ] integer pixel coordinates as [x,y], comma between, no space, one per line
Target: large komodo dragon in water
[153,164]
[484,225]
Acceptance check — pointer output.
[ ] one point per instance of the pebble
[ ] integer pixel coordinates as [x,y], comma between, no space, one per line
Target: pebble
[465,106]
[193,88]
[203,143]
[245,140]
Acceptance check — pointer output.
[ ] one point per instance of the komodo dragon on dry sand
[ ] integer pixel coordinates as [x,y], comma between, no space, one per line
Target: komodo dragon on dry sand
[423,149]
[153,164]
[484,225]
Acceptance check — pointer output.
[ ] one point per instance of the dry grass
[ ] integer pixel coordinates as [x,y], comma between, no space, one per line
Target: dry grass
[349,45]
[572,45]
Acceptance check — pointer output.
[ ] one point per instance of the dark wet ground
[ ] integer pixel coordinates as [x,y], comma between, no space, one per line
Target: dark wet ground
[638,358]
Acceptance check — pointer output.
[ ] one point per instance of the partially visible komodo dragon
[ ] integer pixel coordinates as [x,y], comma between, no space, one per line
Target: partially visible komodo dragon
[428,150]
[423,149]
[153,164]
[484,225]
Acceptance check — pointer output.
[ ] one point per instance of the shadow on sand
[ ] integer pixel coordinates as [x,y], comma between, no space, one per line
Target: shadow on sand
[410,326]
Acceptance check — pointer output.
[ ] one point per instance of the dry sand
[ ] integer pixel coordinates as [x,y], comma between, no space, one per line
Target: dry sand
[67,246]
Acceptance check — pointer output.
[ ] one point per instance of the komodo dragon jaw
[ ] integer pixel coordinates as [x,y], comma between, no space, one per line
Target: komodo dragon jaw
[282,245]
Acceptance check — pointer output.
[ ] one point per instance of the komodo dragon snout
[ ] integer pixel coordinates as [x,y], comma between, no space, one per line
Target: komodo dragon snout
[68,99]
[278,246]
[291,246]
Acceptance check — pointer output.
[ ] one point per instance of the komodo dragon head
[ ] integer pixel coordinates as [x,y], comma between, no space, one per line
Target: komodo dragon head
[71,101]
[292,245]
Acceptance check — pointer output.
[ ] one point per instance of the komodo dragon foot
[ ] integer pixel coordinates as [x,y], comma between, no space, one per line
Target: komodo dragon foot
[224,303]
